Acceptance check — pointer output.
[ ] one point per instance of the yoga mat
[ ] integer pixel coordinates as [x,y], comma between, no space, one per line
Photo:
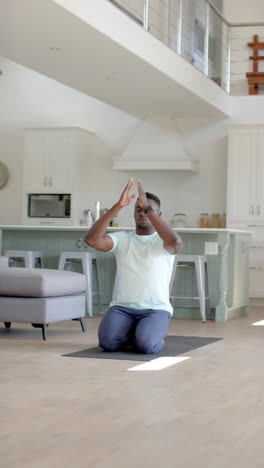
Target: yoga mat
[174,346]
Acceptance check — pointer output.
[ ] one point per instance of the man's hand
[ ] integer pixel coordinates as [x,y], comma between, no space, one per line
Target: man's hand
[96,237]
[171,240]
[142,199]
[125,198]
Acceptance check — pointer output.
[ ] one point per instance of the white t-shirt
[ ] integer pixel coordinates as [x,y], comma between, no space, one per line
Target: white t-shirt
[144,271]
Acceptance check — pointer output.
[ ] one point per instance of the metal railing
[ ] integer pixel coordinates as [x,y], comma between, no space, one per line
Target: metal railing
[194,29]
[197,31]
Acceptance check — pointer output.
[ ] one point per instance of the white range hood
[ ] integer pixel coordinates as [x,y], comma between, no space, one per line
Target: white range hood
[150,164]
[157,145]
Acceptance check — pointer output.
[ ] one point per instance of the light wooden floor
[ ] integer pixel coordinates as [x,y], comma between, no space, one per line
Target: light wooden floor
[207,411]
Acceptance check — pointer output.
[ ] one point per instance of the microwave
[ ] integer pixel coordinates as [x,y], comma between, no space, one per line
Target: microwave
[49,205]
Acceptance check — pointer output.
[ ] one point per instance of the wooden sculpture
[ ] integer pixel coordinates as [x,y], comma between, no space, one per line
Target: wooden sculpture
[255,78]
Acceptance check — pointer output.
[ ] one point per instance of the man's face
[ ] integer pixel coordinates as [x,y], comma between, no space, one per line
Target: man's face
[141,220]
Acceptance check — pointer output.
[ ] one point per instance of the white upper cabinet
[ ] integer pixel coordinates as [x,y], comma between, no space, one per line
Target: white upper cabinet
[59,161]
[61,153]
[245,198]
[49,161]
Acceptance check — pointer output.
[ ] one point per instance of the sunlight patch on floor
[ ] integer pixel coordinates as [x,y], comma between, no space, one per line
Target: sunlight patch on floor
[158,364]
[260,322]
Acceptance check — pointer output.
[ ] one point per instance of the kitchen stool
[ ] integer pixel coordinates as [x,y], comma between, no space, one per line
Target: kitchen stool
[200,263]
[3,262]
[29,256]
[88,261]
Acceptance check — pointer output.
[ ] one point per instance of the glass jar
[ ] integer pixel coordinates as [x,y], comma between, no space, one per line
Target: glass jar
[215,220]
[88,219]
[204,220]
[223,222]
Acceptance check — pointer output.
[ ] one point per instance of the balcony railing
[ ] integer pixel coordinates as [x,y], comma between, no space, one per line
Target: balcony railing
[199,33]
[194,29]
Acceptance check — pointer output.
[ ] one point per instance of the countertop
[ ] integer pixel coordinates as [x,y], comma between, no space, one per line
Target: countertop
[113,229]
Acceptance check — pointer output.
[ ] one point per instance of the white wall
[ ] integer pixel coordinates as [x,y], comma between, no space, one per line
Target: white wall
[248,110]
[29,99]
[237,11]
[190,193]
[32,100]
[11,147]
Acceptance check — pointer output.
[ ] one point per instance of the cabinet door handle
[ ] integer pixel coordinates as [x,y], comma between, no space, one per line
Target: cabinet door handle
[45,181]
[259,268]
[258,209]
[50,181]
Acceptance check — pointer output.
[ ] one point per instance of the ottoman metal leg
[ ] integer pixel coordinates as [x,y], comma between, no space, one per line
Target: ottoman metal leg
[44,331]
[82,322]
[43,327]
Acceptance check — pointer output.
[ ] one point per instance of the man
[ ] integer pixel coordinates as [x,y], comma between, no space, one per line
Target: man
[140,311]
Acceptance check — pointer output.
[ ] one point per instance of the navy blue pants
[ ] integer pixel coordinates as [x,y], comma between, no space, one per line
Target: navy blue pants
[144,329]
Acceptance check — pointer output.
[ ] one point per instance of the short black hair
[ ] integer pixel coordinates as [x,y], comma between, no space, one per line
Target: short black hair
[150,196]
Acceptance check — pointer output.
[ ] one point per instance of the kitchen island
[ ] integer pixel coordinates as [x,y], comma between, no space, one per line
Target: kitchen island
[227,258]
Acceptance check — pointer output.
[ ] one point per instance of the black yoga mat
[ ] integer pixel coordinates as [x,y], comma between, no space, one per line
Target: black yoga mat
[174,346]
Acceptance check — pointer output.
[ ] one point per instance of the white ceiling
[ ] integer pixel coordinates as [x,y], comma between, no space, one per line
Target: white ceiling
[47,38]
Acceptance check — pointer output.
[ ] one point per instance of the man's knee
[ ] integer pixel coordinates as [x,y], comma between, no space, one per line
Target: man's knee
[149,346]
[109,343]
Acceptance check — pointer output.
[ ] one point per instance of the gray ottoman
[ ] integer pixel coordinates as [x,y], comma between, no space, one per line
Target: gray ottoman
[41,296]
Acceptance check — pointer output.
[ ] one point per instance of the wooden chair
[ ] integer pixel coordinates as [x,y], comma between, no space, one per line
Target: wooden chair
[256,78]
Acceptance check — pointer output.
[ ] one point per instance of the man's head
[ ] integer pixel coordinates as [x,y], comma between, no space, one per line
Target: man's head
[154,198]
[142,221]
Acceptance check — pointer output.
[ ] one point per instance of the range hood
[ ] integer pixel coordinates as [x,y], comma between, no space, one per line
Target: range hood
[152,139]
[150,164]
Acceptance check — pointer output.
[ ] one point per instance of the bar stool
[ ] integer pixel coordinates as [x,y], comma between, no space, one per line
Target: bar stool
[3,262]
[200,263]
[30,257]
[88,261]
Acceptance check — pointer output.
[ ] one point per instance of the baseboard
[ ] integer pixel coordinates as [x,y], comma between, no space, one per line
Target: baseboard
[256,301]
